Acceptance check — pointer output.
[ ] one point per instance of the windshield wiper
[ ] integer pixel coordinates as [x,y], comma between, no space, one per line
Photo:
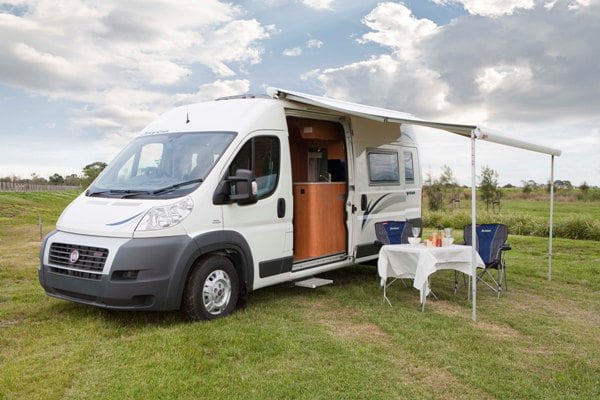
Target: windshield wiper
[123,193]
[92,194]
[177,185]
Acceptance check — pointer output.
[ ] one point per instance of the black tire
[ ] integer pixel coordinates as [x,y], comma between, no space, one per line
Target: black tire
[211,272]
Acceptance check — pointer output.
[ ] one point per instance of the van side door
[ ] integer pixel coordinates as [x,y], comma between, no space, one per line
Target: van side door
[267,224]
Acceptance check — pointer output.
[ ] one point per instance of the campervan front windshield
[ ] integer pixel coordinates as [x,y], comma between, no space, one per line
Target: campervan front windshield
[165,165]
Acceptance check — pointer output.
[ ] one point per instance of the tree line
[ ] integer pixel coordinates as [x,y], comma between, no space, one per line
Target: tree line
[444,191]
[87,176]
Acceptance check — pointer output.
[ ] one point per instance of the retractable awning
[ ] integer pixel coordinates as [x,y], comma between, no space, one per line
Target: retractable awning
[385,115]
[474,132]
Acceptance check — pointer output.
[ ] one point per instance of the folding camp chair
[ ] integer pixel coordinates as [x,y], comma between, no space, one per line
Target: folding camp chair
[392,232]
[491,246]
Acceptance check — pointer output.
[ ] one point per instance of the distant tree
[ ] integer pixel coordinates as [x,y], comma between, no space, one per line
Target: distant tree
[56,179]
[584,187]
[488,184]
[433,189]
[72,180]
[38,180]
[449,187]
[508,186]
[527,186]
[447,178]
[91,171]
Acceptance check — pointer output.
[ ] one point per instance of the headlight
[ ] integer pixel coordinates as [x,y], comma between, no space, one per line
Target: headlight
[166,216]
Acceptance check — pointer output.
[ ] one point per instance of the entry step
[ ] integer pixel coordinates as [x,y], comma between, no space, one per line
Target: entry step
[313,283]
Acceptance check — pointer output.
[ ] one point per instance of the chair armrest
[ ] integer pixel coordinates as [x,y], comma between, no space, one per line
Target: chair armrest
[505,247]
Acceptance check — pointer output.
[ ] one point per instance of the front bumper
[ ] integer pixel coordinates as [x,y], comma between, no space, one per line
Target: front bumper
[160,266]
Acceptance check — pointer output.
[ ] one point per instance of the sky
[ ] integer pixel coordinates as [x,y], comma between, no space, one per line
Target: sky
[79,79]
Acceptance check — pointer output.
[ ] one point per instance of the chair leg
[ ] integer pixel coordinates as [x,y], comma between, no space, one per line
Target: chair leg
[487,272]
[499,280]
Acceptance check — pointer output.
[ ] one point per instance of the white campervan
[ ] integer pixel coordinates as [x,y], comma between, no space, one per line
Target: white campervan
[217,199]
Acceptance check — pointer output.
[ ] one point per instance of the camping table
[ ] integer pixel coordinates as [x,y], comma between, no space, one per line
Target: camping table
[418,262]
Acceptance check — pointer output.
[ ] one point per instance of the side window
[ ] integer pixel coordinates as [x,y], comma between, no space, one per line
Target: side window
[261,156]
[409,167]
[383,167]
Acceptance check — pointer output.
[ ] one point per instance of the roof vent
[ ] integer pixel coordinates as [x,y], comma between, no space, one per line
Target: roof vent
[245,96]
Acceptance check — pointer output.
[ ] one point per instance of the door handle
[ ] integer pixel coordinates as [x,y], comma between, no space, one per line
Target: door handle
[363,202]
[281,208]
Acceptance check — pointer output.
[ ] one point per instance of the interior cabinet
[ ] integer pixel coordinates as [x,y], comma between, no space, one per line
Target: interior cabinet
[319,228]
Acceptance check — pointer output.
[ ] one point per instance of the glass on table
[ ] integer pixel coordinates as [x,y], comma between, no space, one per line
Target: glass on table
[416,231]
[448,232]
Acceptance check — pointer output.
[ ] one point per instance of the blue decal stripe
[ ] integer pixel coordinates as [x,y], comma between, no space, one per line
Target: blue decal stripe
[370,209]
[125,220]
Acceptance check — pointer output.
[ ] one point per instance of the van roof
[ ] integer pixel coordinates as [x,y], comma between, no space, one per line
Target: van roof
[235,115]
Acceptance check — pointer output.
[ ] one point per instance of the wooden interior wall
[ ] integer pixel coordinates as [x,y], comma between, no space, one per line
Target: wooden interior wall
[333,140]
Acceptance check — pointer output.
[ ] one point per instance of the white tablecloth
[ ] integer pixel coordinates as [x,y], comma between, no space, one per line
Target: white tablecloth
[418,262]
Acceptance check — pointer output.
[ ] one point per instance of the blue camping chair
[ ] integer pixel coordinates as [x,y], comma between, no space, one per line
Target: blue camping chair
[491,246]
[391,232]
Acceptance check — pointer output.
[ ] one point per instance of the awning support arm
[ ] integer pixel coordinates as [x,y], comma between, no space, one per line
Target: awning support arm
[551,215]
[473,235]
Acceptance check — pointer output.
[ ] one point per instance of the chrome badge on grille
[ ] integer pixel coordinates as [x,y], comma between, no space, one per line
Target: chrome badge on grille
[74,256]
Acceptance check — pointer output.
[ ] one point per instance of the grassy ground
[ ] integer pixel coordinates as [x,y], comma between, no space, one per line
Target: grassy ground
[572,219]
[539,340]
[540,208]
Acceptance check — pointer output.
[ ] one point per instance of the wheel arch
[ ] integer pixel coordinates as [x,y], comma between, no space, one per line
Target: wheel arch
[230,244]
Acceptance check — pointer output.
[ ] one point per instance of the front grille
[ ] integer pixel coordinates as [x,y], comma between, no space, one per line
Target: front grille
[90,258]
[77,274]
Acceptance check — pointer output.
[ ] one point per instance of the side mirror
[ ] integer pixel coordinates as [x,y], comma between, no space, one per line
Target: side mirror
[240,189]
[243,187]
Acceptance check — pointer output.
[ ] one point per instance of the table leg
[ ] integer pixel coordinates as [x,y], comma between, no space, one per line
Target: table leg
[423,296]
[385,286]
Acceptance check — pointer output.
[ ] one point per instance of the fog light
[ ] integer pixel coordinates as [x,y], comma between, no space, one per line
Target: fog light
[125,275]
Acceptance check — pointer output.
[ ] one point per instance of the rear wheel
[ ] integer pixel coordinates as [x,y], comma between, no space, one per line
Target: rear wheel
[212,289]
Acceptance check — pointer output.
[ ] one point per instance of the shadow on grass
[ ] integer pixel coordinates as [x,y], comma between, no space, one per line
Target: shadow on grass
[346,280]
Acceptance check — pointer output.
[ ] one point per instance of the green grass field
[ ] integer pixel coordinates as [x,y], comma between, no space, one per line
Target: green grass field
[540,340]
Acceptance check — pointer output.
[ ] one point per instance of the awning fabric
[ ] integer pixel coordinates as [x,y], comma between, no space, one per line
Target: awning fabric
[385,115]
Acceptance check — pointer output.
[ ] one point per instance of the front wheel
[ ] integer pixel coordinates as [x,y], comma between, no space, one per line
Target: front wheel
[212,289]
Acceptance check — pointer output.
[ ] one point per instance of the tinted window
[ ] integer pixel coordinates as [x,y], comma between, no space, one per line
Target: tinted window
[383,167]
[261,156]
[409,169]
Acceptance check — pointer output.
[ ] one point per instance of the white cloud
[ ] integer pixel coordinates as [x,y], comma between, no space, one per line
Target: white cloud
[390,80]
[577,4]
[393,25]
[492,8]
[318,4]
[211,91]
[504,77]
[314,44]
[292,52]
[123,58]
[532,73]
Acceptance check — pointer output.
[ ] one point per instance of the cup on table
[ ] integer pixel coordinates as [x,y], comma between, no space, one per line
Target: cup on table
[415,231]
